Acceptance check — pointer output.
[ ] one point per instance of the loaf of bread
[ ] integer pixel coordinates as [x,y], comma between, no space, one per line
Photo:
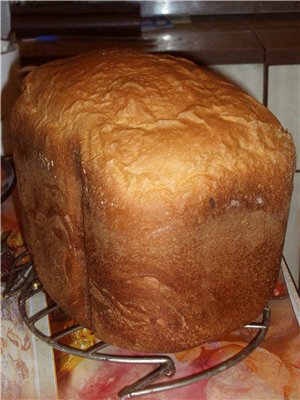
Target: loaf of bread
[155,196]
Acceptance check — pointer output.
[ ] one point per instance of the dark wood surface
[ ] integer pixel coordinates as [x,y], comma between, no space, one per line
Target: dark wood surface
[268,38]
[218,7]
[280,37]
[211,40]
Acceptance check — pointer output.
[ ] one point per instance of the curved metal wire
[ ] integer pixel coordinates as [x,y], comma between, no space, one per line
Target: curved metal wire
[19,269]
[134,391]
[145,385]
[33,286]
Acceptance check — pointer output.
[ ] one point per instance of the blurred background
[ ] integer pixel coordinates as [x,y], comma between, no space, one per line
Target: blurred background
[256,44]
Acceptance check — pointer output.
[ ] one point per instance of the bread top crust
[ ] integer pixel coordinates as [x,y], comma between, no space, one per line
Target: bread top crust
[156,126]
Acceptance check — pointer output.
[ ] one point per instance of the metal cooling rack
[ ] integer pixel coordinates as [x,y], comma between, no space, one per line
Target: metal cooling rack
[164,364]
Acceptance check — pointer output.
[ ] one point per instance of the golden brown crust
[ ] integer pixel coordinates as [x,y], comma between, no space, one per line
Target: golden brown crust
[176,185]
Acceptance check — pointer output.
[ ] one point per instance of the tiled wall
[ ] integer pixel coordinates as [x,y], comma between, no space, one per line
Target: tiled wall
[284,102]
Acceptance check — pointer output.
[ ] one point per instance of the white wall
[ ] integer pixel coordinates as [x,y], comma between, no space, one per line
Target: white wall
[248,76]
[284,102]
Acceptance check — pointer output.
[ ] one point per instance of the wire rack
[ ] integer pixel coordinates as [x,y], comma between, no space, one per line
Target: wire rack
[26,285]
